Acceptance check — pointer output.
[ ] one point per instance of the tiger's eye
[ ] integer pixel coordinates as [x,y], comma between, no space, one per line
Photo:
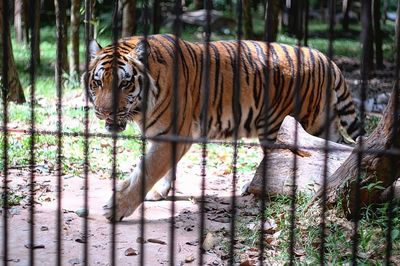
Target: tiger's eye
[98,82]
[124,83]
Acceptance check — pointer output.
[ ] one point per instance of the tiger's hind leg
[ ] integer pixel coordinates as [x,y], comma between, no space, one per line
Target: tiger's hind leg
[161,189]
[319,127]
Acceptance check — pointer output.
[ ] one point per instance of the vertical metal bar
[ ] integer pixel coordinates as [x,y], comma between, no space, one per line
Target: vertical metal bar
[365,58]
[59,72]
[143,129]
[5,90]
[396,145]
[264,162]
[32,160]
[236,124]
[88,37]
[115,97]
[331,8]
[175,112]
[204,120]
[296,112]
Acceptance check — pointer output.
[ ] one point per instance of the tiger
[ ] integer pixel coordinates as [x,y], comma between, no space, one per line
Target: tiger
[163,86]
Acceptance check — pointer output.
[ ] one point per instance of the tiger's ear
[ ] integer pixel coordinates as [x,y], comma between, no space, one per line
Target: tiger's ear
[142,50]
[94,47]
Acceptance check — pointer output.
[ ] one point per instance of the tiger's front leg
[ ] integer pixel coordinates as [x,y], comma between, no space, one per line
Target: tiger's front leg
[157,163]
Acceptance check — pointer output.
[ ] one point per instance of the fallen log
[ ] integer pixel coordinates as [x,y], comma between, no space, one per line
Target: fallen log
[309,170]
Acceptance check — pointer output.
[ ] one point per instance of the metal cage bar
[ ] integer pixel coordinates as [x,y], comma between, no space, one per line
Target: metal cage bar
[32,159]
[59,88]
[115,109]
[144,129]
[204,121]
[88,37]
[5,90]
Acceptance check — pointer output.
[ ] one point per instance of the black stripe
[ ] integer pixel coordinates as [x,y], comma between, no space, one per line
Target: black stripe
[216,74]
[247,124]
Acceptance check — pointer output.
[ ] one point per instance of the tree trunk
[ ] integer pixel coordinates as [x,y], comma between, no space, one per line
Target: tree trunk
[273,10]
[378,171]
[36,34]
[75,21]
[295,25]
[378,34]
[14,92]
[247,20]
[128,18]
[20,20]
[156,16]
[306,14]
[61,19]
[346,10]
[367,37]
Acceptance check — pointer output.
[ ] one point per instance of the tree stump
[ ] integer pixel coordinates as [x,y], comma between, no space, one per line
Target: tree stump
[380,165]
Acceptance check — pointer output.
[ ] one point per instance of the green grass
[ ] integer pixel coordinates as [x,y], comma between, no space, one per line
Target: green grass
[338,234]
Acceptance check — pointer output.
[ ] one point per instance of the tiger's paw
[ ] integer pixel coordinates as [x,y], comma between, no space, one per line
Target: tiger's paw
[160,190]
[154,195]
[125,203]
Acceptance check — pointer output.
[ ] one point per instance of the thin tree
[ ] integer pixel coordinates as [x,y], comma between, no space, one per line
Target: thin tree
[20,20]
[61,20]
[378,34]
[247,19]
[36,34]
[295,12]
[128,18]
[15,91]
[346,10]
[273,9]
[75,21]
[156,16]
[367,36]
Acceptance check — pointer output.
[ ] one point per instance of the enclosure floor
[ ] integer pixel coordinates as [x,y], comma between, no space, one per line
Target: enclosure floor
[157,223]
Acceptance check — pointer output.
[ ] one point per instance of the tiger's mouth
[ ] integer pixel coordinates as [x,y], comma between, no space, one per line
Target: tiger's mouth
[115,126]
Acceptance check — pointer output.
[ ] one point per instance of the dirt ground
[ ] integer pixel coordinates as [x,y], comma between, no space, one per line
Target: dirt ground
[157,223]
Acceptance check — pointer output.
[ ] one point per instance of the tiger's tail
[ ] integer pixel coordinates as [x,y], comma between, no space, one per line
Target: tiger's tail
[345,108]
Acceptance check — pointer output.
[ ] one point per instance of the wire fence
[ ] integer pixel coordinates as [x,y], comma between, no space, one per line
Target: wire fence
[179,142]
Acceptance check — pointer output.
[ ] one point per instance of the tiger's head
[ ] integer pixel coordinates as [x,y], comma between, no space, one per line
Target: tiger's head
[119,101]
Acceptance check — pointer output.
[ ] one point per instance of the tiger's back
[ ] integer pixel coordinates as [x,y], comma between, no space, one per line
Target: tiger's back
[237,99]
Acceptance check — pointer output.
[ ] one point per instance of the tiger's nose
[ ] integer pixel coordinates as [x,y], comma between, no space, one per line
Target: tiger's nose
[106,111]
